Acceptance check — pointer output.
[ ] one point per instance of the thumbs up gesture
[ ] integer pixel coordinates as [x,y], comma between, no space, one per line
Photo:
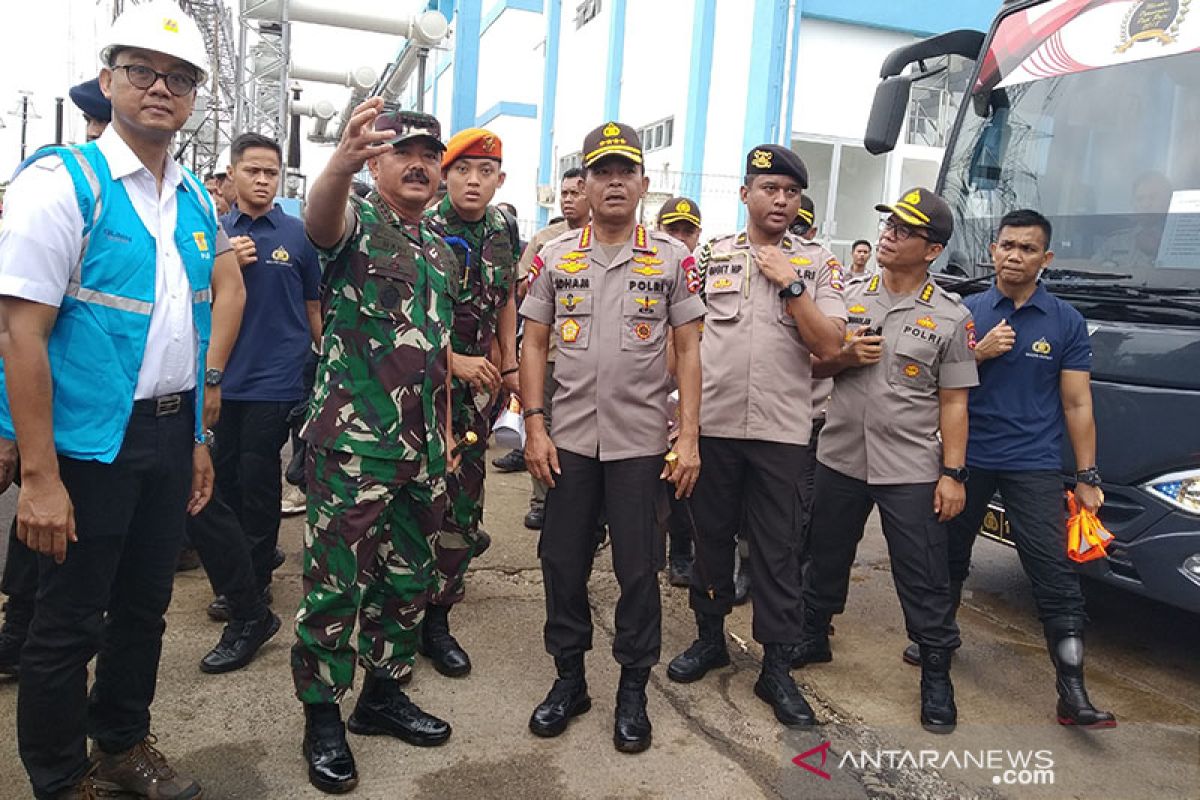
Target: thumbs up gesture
[999,340]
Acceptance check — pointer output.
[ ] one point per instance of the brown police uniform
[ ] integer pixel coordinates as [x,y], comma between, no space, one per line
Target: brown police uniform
[880,446]
[610,312]
[755,418]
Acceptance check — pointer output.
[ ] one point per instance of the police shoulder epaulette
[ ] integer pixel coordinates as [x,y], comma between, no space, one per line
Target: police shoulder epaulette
[928,292]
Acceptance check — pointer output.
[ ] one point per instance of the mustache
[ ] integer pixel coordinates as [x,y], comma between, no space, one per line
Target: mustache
[416,175]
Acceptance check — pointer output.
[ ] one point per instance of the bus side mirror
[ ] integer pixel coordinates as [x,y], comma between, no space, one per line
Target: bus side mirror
[887,114]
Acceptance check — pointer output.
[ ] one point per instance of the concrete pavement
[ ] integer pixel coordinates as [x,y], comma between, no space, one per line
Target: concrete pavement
[240,733]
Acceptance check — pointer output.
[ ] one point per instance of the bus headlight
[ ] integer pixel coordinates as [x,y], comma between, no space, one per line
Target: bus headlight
[1180,489]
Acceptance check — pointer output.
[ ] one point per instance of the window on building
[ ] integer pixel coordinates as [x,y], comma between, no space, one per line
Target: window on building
[658,135]
[585,12]
[569,161]
[845,183]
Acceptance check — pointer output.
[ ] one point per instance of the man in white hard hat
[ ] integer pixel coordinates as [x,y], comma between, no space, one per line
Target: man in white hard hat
[106,281]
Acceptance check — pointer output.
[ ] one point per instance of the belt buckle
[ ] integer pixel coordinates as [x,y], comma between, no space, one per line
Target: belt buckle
[167,404]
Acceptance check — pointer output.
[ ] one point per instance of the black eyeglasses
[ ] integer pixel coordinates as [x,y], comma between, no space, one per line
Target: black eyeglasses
[900,231]
[142,77]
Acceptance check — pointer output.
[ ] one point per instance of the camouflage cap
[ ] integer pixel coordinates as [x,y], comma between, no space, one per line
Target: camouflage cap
[409,125]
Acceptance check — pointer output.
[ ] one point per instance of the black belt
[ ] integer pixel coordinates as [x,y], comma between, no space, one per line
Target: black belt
[164,406]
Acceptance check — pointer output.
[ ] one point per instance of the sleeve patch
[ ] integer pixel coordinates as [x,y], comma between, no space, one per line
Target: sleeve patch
[970,328]
[691,273]
[535,268]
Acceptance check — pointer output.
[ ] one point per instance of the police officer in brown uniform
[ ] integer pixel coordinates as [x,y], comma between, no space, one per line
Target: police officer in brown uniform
[771,303]
[901,376]
[610,291]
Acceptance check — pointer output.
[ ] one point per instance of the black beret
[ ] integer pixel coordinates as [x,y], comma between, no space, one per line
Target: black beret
[772,159]
[91,101]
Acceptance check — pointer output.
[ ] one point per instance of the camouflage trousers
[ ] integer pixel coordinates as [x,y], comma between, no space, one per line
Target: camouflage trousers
[367,557]
[456,542]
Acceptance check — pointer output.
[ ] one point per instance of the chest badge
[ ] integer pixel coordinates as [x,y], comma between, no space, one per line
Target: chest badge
[571,301]
[281,254]
[571,267]
[642,330]
[569,331]
[1041,347]
[912,370]
[647,304]
[201,241]
[647,271]
[801,261]
[857,309]
[927,323]
[722,283]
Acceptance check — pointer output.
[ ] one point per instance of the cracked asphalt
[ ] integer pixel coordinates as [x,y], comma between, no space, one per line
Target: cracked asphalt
[239,734]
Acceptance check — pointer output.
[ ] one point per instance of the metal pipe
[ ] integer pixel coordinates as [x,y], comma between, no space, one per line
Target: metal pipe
[321,109]
[58,120]
[293,160]
[422,58]
[357,78]
[376,16]
[285,50]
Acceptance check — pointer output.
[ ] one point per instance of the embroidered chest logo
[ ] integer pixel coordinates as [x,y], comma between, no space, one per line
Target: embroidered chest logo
[201,241]
[927,323]
[281,254]
[647,305]
[571,301]
[857,308]
[571,267]
[1041,347]
[642,330]
[569,331]
[912,370]
[722,283]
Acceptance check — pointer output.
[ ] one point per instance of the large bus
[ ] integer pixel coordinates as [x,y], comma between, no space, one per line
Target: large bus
[1089,112]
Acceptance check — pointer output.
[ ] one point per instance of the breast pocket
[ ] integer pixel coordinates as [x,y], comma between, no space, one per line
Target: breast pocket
[389,288]
[914,364]
[573,319]
[723,294]
[644,320]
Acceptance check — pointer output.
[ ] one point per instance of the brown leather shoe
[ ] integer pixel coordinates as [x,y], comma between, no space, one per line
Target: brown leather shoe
[143,771]
[84,790]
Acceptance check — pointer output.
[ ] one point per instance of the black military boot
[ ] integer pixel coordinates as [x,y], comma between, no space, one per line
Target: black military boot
[631,726]
[813,647]
[439,646]
[384,710]
[567,698]
[912,653]
[1074,707]
[330,762]
[776,688]
[18,613]
[707,652]
[938,712]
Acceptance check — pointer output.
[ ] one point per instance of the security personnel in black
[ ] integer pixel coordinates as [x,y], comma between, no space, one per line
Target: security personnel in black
[771,304]
[902,376]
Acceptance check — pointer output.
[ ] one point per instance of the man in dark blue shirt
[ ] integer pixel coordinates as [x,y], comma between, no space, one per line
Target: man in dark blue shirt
[262,382]
[1035,361]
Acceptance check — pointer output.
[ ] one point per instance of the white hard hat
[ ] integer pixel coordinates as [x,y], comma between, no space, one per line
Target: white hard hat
[161,26]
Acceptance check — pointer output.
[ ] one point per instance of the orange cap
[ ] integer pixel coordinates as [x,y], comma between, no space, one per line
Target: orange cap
[472,143]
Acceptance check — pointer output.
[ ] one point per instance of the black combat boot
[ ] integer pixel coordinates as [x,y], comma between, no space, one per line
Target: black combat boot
[631,726]
[18,613]
[776,688]
[330,762]
[938,712]
[385,710]
[912,653]
[707,652]
[1074,707]
[814,639]
[567,698]
[439,646]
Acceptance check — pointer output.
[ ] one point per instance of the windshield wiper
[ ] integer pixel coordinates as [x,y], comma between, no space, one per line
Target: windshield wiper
[1123,294]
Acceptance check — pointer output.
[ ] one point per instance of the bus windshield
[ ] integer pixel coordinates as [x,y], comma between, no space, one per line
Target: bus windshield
[1087,111]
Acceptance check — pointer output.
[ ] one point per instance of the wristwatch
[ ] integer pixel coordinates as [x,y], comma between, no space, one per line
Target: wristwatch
[533,412]
[212,377]
[960,474]
[207,438]
[792,290]
[1090,476]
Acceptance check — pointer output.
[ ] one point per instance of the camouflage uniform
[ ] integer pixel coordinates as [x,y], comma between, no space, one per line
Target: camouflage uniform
[377,458]
[487,257]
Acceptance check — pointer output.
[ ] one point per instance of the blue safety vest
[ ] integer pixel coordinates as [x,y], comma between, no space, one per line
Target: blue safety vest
[99,338]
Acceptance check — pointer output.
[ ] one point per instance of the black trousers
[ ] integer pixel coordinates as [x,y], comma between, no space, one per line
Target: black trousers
[107,599]
[1036,509]
[628,492]
[753,486]
[917,547]
[250,436]
[217,535]
[20,579]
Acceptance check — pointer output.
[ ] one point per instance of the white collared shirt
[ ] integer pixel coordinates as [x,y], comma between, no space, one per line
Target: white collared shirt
[42,236]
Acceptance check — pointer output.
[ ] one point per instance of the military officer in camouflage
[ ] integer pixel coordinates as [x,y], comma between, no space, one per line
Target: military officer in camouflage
[378,435]
[485,241]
